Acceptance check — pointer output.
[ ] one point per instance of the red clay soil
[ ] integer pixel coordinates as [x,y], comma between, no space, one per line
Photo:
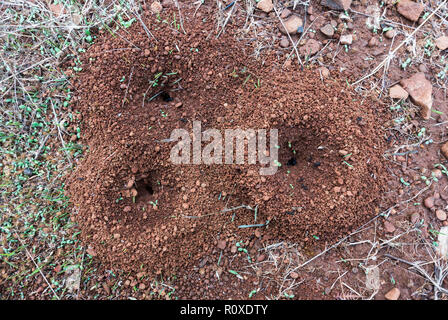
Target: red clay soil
[138,211]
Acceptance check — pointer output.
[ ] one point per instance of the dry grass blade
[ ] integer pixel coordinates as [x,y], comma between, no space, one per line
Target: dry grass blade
[391,54]
[234,5]
[436,282]
[290,39]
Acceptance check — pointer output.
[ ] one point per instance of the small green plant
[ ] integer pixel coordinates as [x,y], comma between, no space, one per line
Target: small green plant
[406,63]
[251,294]
[236,274]
[407,184]
[123,23]
[154,203]
[429,47]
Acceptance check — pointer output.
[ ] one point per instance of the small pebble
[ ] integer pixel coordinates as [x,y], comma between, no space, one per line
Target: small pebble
[390,228]
[441,215]
[222,244]
[429,202]
[415,217]
[393,294]
[389,34]
[284,43]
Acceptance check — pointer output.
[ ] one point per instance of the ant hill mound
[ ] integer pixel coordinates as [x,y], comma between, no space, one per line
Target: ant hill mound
[136,208]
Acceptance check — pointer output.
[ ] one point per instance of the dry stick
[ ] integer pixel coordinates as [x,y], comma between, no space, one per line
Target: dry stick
[320,51]
[127,87]
[37,154]
[386,242]
[440,272]
[352,290]
[60,134]
[82,263]
[200,3]
[332,286]
[148,33]
[385,20]
[289,36]
[16,73]
[38,268]
[111,16]
[386,66]
[227,19]
[16,80]
[301,37]
[390,55]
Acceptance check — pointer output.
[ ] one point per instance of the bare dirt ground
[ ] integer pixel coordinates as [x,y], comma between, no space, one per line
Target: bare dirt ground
[92,208]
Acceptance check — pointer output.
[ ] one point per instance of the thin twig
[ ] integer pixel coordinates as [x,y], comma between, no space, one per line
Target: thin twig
[289,36]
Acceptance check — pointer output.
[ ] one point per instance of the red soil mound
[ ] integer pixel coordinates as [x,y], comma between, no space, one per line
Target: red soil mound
[138,210]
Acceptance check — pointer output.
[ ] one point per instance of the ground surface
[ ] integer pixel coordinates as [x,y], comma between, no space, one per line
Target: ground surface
[92,207]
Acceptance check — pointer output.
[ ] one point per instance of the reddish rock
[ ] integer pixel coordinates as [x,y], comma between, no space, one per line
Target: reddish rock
[429,202]
[324,72]
[91,251]
[285,13]
[397,92]
[167,3]
[437,173]
[294,275]
[444,149]
[292,24]
[265,5]
[310,48]
[410,9]
[420,90]
[261,257]
[222,244]
[346,39]
[442,43]
[284,43]
[422,68]
[57,9]
[373,18]
[393,294]
[337,4]
[327,30]
[106,288]
[389,34]
[389,227]
[373,42]
[156,7]
[441,215]
[415,217]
